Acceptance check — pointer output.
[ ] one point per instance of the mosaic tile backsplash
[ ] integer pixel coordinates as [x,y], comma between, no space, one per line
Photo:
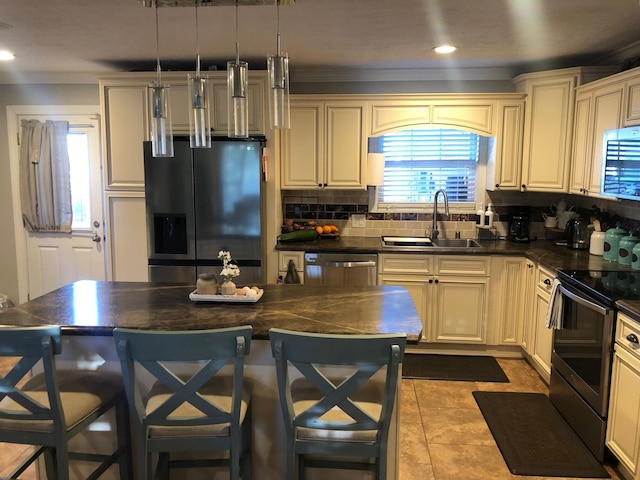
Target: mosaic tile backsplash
[337,207]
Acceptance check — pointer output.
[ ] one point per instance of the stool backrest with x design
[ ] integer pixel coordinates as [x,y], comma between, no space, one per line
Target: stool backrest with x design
[201,408]
[344,411]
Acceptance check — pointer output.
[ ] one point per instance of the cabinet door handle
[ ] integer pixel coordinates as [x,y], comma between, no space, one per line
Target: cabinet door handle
[437,281]
[632,338]
[431,280]
[547,281]
[497,185]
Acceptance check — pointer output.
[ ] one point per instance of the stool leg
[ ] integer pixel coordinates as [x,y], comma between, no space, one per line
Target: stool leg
[124,439]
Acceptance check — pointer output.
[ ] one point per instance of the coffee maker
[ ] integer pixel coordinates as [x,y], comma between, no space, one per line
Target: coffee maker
[518,226]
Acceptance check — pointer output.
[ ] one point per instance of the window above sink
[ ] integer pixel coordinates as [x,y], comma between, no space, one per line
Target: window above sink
[421,161]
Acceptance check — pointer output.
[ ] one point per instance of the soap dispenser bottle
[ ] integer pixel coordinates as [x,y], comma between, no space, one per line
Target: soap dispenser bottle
[488,216]
[480,214]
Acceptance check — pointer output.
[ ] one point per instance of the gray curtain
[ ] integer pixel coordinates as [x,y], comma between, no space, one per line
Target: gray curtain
[45,182]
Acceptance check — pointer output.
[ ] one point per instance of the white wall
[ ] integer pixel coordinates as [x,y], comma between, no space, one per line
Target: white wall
[26,94]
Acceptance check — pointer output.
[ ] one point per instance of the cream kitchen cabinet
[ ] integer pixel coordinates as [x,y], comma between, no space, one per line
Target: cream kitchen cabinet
[632,111]
[530,273]
[436,284]
[504,166]
[623,426]
[507,300]
[123,99]
[326,146]
[548,125]
[541,340]
[597,109]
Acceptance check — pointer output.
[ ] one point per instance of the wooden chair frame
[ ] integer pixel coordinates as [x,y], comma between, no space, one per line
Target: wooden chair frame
[211,350]
[367,354]
[35,344]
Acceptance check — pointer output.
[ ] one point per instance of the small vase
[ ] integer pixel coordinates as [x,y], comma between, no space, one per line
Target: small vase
[228,288]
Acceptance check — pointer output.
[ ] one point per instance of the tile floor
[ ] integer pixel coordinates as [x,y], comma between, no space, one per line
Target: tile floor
[443,433]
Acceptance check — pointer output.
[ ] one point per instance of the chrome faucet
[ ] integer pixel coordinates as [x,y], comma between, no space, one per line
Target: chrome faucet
[434,225]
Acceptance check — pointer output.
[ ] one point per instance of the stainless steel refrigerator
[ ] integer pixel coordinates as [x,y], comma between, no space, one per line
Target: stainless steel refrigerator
[202,201]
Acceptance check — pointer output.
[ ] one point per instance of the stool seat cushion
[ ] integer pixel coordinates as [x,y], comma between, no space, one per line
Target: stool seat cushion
[218,391]
[81,393]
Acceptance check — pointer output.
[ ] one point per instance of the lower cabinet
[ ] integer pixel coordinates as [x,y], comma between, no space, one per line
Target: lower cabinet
[541,338]
[451,293]
[507,300]
[623,427]
[283,264]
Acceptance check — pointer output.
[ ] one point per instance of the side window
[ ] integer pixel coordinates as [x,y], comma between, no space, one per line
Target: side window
[419,162]
[78,147]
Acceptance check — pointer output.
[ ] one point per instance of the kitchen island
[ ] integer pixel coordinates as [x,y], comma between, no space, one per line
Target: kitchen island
[88,311]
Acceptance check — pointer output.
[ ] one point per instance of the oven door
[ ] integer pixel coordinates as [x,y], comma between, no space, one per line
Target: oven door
[582,349]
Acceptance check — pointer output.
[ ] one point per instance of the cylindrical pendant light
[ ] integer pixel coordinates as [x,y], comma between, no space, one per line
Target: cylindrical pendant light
[160,116]
[237,102]
[199,118]
[278,67]
[160,110]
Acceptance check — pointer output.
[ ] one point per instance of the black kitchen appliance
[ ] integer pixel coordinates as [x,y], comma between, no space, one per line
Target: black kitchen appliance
[583,349]
[577,233]
[201,201]
[519,226]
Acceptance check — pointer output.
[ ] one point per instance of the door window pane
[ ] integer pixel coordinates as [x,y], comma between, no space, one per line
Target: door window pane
[78,147]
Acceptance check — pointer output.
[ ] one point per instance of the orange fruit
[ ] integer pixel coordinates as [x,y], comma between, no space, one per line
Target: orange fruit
[334,229]
[320,230]
[326,229]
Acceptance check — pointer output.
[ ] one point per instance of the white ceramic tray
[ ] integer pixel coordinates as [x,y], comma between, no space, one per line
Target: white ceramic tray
[196,297]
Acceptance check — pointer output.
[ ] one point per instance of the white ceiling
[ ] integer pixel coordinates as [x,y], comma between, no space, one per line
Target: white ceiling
[384,38]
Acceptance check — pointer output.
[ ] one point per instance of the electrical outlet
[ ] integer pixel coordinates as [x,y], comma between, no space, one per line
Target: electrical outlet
[357,220]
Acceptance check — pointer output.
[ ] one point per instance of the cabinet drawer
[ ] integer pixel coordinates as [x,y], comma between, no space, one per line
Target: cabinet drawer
[284,257]
[545,279]
[405,264]
[626,327]
[458,265]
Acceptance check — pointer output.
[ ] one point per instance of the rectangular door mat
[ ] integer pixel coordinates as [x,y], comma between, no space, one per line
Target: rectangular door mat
[467,368]
[533,437]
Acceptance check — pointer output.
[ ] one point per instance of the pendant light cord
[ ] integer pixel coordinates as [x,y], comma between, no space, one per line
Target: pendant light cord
[157,47]
[278,27]
[237,38]
[197,43]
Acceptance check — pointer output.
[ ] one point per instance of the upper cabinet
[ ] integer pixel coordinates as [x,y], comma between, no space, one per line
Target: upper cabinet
[548,126]
[123,98]
[326,146]
[609,103]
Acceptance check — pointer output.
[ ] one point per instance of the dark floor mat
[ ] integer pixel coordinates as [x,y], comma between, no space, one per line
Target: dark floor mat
[533,437]
[467,368]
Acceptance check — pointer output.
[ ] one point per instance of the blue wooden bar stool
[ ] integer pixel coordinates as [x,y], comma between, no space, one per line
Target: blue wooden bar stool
[48,409]
[336,417]
[205,411]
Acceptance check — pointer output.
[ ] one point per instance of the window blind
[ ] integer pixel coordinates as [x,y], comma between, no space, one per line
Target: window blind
[420,162]
[622,168]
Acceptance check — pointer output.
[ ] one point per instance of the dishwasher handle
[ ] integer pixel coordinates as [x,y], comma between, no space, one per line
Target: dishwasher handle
[349,264]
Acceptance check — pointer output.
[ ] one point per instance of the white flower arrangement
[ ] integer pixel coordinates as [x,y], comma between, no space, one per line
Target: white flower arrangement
[229,269]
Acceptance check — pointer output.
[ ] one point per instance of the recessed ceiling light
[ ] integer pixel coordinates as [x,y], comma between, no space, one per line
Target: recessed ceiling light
[445,49]
[5,55]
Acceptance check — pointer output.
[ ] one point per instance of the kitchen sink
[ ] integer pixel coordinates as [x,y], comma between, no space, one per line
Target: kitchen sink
[426,243]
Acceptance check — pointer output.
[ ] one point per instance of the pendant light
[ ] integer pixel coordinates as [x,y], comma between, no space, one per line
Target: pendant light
[199,120]
[160,110]
[278,67]
[237,104]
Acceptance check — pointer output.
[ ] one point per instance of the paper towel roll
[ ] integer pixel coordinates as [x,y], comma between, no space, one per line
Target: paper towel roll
[375,169]
[596,244]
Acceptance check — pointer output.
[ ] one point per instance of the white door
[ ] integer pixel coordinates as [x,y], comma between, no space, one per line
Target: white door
[54,260]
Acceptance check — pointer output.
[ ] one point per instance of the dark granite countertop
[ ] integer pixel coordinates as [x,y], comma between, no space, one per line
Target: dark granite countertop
[630,308]
[543,252]
[95,308]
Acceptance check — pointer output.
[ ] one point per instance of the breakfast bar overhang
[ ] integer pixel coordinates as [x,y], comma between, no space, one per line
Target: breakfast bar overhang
[88,311]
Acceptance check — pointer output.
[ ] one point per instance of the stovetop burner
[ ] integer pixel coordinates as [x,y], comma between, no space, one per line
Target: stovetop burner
[608,286]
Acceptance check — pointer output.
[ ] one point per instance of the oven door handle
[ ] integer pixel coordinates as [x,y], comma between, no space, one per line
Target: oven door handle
[582,301]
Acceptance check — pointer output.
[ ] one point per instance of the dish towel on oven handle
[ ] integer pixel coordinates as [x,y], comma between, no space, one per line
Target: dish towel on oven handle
[554,310]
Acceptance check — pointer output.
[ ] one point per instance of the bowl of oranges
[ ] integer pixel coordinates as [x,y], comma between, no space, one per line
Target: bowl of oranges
[327,231]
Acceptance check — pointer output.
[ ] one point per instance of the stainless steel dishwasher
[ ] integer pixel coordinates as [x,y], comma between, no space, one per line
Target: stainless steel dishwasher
[340,268]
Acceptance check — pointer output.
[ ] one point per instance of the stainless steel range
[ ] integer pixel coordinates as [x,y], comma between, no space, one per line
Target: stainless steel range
[583,349]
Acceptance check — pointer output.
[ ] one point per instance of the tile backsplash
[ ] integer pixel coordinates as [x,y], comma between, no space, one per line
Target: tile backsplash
[337,207]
